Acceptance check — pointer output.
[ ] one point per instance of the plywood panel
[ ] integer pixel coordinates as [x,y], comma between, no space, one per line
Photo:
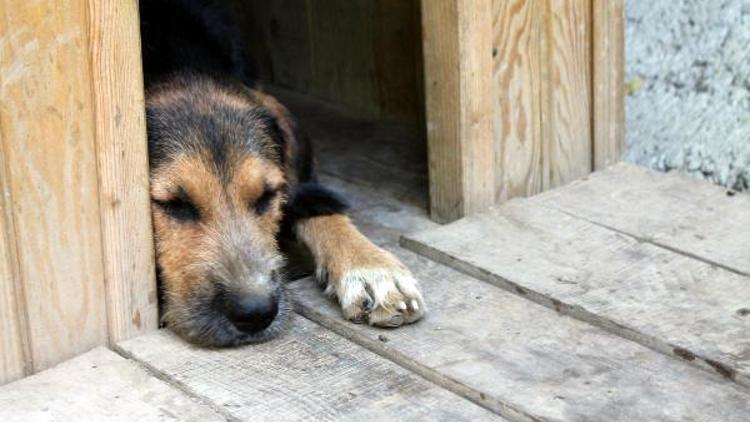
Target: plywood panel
[46,119]
[122,160]
[608,19]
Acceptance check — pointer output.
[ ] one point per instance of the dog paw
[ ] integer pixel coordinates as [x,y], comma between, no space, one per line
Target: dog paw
[384,296]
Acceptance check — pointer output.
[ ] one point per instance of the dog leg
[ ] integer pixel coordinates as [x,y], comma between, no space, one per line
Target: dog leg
[371,284]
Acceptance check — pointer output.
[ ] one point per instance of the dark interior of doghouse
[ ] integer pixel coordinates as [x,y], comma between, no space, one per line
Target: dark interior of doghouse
[351,73]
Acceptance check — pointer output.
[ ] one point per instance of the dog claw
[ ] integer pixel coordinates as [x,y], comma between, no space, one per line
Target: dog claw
[414,305]
[394,321]
[367,305]
[383,297]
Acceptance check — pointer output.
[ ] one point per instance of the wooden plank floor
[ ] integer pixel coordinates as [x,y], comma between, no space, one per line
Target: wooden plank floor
[672,302]
[542,309]
[98,386]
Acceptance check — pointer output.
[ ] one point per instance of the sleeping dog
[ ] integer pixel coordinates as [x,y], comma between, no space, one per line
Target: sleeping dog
[231,172]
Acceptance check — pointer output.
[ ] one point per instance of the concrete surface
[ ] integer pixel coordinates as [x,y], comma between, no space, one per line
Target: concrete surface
[688,62]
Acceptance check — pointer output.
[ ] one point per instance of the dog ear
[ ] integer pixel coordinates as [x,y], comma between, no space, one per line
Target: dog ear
[295,146]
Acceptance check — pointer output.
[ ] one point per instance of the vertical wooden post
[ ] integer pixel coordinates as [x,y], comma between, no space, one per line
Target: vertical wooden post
[122,161]
[520,106]
[76,250]
[458,78]
[15,358]
[548,106]
[568,129]
[608,38]
[47,132]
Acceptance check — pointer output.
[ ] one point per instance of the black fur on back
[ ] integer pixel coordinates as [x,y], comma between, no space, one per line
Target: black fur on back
[195,36]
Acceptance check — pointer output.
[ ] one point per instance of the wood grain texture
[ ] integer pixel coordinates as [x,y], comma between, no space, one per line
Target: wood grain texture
[675,211]
[457,48]
[308,374]
[568,131]
[608,68]
[528,362]
[14,353]
[542,105]
[122,161]
[510,355]
[521,151]
[98,386]
[47,124]
[672,303]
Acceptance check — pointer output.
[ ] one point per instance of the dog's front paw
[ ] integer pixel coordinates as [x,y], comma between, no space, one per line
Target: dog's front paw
[385,295]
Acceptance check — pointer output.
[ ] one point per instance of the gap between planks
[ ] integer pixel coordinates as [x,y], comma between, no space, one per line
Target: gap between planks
[569,345]
[340,327]
[524,218]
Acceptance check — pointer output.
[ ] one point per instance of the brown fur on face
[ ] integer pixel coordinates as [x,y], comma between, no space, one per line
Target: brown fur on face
[218,186]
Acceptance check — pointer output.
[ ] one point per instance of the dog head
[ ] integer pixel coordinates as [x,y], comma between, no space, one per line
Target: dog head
[218,159]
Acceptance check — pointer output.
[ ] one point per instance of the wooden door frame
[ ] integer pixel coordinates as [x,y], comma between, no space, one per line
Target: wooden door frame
[460,44]
[77,253]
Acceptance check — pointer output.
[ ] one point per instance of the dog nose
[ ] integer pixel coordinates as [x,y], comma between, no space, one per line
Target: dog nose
[252,313]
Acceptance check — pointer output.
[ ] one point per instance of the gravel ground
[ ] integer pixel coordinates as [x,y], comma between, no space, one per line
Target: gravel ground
[688,68]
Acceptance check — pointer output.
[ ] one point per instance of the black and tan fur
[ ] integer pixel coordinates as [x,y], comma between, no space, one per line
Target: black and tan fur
[231,173]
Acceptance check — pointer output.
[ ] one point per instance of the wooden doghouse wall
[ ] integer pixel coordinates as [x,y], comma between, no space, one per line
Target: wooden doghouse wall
[76,249]
[364,55]
[520,96]
[555,110]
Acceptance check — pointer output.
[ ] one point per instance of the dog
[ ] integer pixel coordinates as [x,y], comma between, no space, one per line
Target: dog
[231,174]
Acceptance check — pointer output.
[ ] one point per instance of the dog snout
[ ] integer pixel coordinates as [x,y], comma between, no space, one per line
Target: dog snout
[251,313]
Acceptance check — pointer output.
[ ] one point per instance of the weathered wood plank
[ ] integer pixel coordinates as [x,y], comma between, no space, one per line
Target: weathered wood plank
[518,65]
[513,356]
[307,374]
[457,45]
[608,81]
[47,125]
[673,210]
[672,303]
[568,130]
[98,386]
[524,360]
[543,94]
[121,150]
[14,353]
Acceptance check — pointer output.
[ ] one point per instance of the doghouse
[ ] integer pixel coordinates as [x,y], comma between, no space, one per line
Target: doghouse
[503,98]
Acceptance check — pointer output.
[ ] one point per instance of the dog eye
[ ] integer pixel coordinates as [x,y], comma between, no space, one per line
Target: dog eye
[180,209]
[264,202]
